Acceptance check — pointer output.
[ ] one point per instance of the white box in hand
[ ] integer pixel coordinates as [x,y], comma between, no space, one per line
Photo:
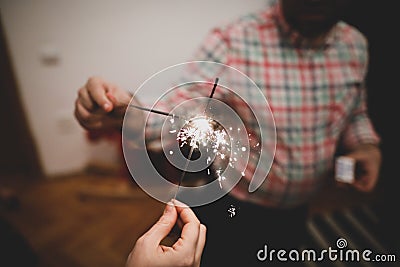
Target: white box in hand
[344,169]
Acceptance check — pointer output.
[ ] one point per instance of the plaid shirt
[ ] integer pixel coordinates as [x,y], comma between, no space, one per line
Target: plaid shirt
[316,93]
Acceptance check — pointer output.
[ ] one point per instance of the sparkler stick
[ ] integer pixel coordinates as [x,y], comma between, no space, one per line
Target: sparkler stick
[154,111]
[184,170]
[212,94]
[193,147]
[116,102]
[173,115]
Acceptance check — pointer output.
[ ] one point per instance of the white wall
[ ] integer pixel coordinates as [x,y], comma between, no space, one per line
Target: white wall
[123,41]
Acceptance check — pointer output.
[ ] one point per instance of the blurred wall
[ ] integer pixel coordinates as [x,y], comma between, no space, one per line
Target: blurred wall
[56,45]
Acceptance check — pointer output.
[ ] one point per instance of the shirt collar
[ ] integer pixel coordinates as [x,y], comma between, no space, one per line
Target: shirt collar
[295,37]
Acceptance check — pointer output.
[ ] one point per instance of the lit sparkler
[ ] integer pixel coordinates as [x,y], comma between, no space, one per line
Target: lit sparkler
[205,132]
[200,131]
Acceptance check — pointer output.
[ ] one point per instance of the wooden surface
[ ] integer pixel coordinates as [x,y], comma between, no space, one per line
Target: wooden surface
[66,229]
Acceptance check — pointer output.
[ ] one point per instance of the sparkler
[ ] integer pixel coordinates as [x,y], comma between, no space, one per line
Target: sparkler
[199,131]
[207,123]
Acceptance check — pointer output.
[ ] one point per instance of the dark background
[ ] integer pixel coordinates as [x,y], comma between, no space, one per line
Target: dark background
[379,21]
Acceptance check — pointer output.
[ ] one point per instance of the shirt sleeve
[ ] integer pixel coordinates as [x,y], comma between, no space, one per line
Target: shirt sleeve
[360,129]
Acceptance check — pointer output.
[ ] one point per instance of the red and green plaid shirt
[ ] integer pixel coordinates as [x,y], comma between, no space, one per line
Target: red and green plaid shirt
[316,93]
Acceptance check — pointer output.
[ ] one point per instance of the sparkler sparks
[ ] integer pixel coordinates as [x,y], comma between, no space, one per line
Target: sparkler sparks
[183,94]
[203,131]
[205,134]
[200,131]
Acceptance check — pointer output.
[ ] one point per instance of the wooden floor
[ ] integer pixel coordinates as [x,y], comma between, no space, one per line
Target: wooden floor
[65,227]
[94,220]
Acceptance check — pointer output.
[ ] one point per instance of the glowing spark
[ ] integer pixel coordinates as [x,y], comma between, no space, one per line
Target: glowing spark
[232,211]
[203,131]
[200,130]
[220,178]
[202,124]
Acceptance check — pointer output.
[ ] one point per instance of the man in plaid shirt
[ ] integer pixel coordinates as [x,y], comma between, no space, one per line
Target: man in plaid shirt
[311,68]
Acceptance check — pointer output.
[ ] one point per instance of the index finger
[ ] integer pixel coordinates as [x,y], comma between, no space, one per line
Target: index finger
[163,226]
[98,92]
[191,225]
[185,213]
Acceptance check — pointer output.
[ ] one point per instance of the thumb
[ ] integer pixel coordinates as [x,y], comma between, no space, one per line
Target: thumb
[120,104]
[112,98]
[118,96]
[163,226]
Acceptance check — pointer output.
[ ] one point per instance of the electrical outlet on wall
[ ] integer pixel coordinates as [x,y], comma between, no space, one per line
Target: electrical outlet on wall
[66,123]
[49,55]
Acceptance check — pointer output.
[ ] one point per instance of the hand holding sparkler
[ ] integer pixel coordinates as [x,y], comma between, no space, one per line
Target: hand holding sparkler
[101,105]
[187,250]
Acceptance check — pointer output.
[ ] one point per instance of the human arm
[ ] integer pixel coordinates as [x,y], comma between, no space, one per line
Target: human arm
[362,143]
[186,251]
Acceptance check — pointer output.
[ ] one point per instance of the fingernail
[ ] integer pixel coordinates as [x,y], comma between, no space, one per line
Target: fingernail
[111,97]
[106,106]
[169,207]
[178,203]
